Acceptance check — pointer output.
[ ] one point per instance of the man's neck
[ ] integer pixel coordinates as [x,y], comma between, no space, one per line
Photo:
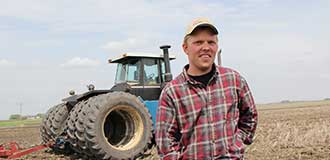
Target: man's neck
[204,78]
[197,72]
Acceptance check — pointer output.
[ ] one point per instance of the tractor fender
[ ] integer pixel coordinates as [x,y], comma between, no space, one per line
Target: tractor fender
[73,100]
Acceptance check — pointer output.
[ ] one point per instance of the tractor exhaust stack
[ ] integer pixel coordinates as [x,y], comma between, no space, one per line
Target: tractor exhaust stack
[168,74]
[219,57]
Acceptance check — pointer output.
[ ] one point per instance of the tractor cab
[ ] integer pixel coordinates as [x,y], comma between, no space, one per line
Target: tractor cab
[144,73]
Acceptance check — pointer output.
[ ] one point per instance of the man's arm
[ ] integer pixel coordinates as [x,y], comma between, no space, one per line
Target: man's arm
[167,129]
[248,117]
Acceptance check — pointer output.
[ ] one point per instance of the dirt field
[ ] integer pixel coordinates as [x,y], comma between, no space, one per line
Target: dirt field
[287,133]
[293,133]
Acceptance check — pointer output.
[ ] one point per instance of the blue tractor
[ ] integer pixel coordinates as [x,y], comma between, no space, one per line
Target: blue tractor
[116,123]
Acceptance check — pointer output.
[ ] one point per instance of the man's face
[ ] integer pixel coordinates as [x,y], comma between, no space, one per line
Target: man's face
[201,48]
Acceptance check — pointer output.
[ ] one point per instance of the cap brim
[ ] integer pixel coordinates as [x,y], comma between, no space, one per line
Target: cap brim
[215,31]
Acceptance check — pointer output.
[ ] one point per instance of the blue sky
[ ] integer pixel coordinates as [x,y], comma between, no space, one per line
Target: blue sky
[50,47]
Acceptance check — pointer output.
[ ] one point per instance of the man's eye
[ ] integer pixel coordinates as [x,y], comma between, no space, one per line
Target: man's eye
[212,42]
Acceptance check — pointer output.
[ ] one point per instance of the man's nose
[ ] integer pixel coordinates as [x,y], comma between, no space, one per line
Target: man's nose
[206,46]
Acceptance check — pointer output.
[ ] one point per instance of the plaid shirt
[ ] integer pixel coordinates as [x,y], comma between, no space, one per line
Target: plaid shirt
[205,122]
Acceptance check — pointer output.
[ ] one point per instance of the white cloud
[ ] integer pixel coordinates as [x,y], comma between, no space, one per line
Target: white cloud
[272,43]
[81,62]
[6,63]
[130,45]
[102,15]
[118,45]
[325,76]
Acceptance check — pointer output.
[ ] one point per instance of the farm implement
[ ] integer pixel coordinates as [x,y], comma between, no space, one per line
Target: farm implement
[12,150]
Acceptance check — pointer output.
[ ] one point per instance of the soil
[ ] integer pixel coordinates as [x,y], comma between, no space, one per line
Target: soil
[28,137]
[295,133]
[285,133]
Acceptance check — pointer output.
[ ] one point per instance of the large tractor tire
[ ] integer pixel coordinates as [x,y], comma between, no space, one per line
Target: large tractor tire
[53,128]
[44,128]
[58,123]
[80,128]
[54,123]
[118,126]
[72,139]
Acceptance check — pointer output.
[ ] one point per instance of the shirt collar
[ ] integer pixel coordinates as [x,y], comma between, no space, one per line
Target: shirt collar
[192,81]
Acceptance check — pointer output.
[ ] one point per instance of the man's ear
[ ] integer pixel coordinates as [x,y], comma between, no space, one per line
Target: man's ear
[184,47]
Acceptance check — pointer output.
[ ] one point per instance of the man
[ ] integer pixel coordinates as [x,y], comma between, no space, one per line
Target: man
[207,112]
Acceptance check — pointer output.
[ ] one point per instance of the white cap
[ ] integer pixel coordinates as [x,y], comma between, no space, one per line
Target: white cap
[200,22]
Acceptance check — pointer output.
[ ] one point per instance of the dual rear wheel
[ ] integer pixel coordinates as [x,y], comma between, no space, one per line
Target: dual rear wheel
[115,125]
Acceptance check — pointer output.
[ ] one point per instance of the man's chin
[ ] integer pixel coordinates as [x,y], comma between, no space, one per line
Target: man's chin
[205,68]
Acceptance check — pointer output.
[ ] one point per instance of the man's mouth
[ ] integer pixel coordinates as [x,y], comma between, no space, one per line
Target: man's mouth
[205,56]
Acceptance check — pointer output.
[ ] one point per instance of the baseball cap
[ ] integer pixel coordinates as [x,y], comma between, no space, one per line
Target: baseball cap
[200,22]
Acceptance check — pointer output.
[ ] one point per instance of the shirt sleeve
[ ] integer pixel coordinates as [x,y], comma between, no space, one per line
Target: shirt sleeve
[248,118]
[166,134]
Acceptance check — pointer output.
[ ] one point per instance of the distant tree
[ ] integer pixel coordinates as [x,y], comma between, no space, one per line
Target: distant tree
[40,115]
[285,101]
[327,99]
[15,117]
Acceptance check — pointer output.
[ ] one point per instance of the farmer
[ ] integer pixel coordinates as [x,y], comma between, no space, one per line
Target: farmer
[206,112]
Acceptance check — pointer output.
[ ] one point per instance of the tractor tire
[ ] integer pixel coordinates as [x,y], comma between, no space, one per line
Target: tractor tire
[44,128]
[73,116]
[53,124]
[53,128]
[58,120]
[118,126]
[80,129]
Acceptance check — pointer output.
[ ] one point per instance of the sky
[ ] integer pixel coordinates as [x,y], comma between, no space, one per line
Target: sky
[48,48]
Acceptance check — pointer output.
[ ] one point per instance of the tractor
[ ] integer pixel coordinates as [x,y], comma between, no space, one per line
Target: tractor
[116,123]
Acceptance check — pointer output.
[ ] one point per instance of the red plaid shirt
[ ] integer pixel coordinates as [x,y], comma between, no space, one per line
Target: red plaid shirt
[212,122]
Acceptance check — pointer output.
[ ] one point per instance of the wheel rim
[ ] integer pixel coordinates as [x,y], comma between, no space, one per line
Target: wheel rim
[122,127]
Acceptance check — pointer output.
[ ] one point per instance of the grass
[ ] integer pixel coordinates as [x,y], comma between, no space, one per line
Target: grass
[19,123]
